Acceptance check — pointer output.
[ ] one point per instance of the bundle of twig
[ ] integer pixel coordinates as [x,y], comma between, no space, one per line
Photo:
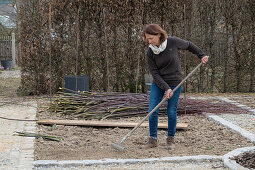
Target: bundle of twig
[102,105]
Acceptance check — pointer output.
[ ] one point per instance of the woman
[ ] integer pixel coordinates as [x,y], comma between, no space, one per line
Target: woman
[165,67]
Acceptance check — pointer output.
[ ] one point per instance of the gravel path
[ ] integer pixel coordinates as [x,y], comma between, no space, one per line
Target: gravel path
[16,152]
[10,74]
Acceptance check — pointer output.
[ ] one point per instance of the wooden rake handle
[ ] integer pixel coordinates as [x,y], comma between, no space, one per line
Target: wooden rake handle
[162,101]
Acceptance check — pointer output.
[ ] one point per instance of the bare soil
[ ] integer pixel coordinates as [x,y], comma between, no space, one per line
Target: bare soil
[203,137]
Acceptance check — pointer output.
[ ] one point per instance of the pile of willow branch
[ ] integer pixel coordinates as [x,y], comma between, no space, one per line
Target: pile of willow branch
[103,105]
[99,105]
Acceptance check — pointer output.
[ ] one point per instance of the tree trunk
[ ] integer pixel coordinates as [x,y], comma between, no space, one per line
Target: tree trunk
[102,56]
[237,62]
[117,61]
[252,62]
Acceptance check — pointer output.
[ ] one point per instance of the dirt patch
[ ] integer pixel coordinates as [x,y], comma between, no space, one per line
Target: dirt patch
[247,160]
[203,137]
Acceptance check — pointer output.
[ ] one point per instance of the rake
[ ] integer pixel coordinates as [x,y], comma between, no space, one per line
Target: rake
[121,148]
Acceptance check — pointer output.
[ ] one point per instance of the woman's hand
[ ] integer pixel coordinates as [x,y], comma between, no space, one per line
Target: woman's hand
[204,60]
[169,93]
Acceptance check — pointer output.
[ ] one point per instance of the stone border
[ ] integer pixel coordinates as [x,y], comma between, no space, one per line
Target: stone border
[232,164]
[67,163]
[26,158]
[232,126]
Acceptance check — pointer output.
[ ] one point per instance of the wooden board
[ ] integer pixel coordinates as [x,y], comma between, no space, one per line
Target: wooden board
[105,124]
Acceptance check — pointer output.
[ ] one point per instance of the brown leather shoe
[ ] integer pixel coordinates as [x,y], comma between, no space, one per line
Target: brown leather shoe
[150,144]
[170,143]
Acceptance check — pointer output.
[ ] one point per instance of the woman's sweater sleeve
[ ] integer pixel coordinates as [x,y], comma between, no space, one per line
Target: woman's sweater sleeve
[158,80]
[187,45]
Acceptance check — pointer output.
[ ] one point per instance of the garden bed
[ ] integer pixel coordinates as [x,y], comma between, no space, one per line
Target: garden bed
[203,137]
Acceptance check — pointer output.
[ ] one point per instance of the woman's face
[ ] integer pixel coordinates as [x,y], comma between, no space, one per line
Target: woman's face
[153,39]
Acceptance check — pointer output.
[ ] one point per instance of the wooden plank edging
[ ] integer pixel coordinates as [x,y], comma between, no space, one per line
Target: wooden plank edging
[105,124]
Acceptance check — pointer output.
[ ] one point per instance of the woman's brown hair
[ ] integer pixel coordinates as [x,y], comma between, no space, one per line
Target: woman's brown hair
[154,29]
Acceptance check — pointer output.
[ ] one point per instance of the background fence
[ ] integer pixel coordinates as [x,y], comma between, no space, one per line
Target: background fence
[7,51]
[5,47]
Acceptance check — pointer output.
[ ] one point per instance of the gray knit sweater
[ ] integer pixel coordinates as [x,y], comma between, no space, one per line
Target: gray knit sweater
[166,66]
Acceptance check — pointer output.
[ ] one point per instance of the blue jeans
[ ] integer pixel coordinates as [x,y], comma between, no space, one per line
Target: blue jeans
[156,96]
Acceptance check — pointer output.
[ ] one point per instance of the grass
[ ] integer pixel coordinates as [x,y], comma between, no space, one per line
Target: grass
[9,86]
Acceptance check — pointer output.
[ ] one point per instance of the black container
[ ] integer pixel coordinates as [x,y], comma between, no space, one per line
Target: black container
[82,83]
[6,64]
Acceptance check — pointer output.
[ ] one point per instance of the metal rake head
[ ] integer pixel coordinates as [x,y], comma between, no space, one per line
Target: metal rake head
[117,146]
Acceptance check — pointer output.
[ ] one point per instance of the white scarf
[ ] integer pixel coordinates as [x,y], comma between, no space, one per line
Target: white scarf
[157,50]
